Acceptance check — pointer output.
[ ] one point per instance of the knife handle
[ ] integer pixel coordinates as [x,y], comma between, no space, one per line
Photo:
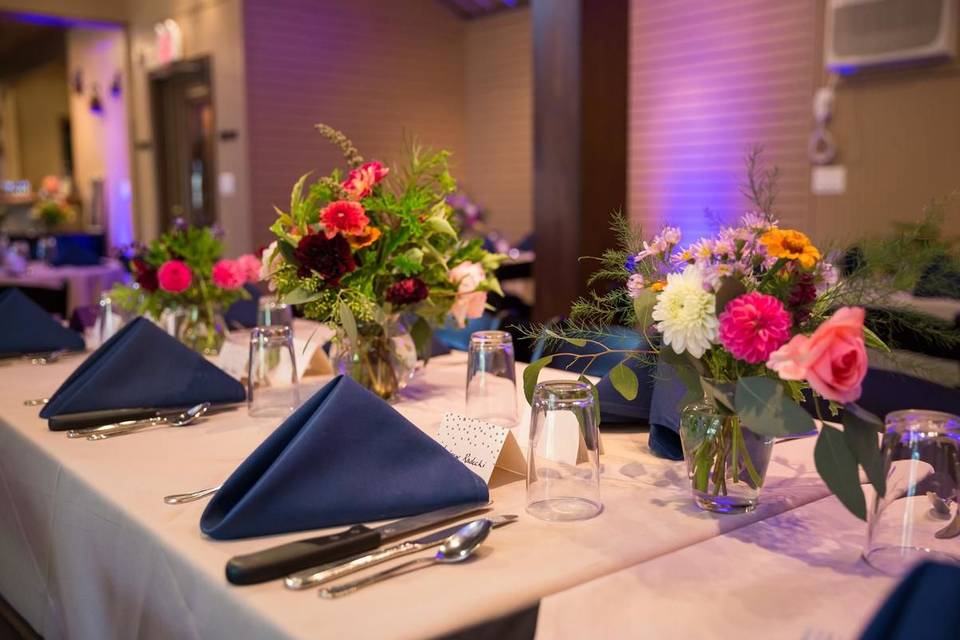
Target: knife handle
[332,571]
[276,562]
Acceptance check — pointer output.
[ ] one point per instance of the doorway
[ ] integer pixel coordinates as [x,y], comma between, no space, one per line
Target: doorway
[184,130]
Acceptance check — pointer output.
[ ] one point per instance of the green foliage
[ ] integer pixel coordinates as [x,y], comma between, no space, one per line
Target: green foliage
[624,380]
[530,375]
[838,469]
[766,409]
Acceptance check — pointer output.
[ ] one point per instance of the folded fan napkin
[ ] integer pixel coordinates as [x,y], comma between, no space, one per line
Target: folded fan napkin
[142,366]
[26,328]
[344,457]
[925,606]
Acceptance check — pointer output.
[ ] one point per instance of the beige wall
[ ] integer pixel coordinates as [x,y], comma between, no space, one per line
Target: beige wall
[499,120]
[898,134]
[211,28]
[375,70]
[39,97]
[101,141]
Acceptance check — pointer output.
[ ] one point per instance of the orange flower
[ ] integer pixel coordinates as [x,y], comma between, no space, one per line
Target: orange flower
[658,286]
[792,245]
[365,238]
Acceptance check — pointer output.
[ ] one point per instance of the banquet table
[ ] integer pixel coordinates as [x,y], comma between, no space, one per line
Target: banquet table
[89,550]
[83,284]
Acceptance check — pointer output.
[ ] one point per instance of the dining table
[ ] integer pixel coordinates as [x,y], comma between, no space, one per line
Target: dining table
[89,549]
[83,284]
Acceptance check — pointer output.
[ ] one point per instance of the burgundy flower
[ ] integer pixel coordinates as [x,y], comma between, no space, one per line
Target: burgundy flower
[802,296]
[330,257]
[407,291]
[145,275]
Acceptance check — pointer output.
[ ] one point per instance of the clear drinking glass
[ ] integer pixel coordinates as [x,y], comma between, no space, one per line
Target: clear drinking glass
[272,312]
[492,378]
[110,318]
[272,385]
[563,461]
[918,517]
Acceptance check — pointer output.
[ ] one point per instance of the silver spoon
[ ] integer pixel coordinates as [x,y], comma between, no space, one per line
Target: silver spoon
[35,402]
[456,548]
[184,498]
[48,357]
[181,420]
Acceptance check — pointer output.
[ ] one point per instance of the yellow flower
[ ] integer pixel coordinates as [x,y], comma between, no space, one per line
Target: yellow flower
[792,245]
[365,238]
[658,286]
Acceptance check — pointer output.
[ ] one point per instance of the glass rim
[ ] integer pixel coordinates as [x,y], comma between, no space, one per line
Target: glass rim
[563,390]
[491,337]
[900,419]
[271,332]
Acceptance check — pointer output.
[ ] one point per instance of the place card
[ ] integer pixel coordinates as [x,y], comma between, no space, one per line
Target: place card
[483,447]
[310,358]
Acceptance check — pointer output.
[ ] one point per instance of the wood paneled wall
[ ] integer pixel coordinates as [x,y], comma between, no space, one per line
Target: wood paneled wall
[376,70]
[707,80]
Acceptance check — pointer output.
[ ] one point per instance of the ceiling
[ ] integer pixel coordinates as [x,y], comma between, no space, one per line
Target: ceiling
[24,45]
[471,9]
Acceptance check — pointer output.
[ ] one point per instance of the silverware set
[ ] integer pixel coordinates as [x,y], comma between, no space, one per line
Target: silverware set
[111,430]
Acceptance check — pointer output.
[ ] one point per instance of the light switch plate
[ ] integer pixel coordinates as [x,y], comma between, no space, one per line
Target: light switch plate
[228,183]
[829,180]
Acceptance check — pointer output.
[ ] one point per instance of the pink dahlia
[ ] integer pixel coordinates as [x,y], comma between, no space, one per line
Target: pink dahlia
[753,326]
[228,274]
[343,216]
[251,267]
[361,180]
[174,276]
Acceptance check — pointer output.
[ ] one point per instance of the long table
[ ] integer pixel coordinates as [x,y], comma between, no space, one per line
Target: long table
[89,550]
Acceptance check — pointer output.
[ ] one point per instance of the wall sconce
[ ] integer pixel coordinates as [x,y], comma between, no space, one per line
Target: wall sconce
[115,88]
[96,106]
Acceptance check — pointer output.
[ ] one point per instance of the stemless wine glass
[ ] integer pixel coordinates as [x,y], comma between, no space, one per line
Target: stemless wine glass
[917,519]
[492,378]
[563,461]
[272,385]
[272,312]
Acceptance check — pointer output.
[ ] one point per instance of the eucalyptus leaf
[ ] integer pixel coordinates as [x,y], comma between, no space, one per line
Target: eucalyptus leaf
[865,416]
[530,375]
[730,289]
[422,334]
[719,395]
[348,323]
[624,380]
[301,296]
[596,402]
[766,409]
[838,468]
[862,441]
[643,306]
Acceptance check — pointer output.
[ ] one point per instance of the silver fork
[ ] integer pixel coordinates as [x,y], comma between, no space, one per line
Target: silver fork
[183,498]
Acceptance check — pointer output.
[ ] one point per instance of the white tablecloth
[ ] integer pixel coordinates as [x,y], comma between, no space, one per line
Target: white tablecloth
[795,576]
[89,550]
[83,284]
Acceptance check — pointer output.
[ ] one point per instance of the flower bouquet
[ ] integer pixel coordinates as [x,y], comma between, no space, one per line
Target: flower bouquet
[183,272]
[755,323]
[53,209]
[374,253]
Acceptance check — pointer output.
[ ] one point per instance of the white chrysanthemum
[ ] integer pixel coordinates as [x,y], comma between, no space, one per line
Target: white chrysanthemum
[686,314]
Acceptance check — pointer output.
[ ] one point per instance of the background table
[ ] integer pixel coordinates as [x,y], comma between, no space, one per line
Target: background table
[83,284]
[88,549]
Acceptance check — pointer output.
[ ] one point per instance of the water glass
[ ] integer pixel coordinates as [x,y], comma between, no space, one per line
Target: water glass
[272,385]
[918,517]
[110,318]
[563,460]
[271,312]
[492,378]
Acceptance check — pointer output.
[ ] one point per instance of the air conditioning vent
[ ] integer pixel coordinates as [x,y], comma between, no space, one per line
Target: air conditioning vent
[869,33]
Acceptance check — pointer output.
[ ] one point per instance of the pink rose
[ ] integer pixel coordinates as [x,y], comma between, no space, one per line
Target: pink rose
[833,360]
[469,302]
[360,181]
[250,264]
[174,276]
[228,274]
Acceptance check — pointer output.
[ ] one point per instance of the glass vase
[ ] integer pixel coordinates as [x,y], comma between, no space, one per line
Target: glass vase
[383,359]
[726,462]
[201,328]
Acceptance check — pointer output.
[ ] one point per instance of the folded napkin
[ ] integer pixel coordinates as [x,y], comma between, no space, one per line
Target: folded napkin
[668,392]
[344,457]
[26,328]
[73,253]
[243,313]
[615,409]
[142,366]
[925,606]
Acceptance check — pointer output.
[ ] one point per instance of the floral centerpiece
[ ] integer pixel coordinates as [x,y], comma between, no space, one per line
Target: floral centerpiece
[184,272]
[756,324]
[374,253]
[53,208]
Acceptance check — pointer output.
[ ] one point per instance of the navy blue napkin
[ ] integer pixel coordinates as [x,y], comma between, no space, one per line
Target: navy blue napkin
[668,393]
[615,409]
[344,457]
[26,328]
[924,606]
[243,313]
[73,253]
[142,366]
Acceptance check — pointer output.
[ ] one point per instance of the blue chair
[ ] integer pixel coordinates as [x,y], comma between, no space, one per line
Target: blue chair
[242,314]
[459,339]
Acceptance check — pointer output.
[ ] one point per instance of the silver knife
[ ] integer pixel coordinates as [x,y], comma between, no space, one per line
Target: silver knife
[329,572]
[277,562]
